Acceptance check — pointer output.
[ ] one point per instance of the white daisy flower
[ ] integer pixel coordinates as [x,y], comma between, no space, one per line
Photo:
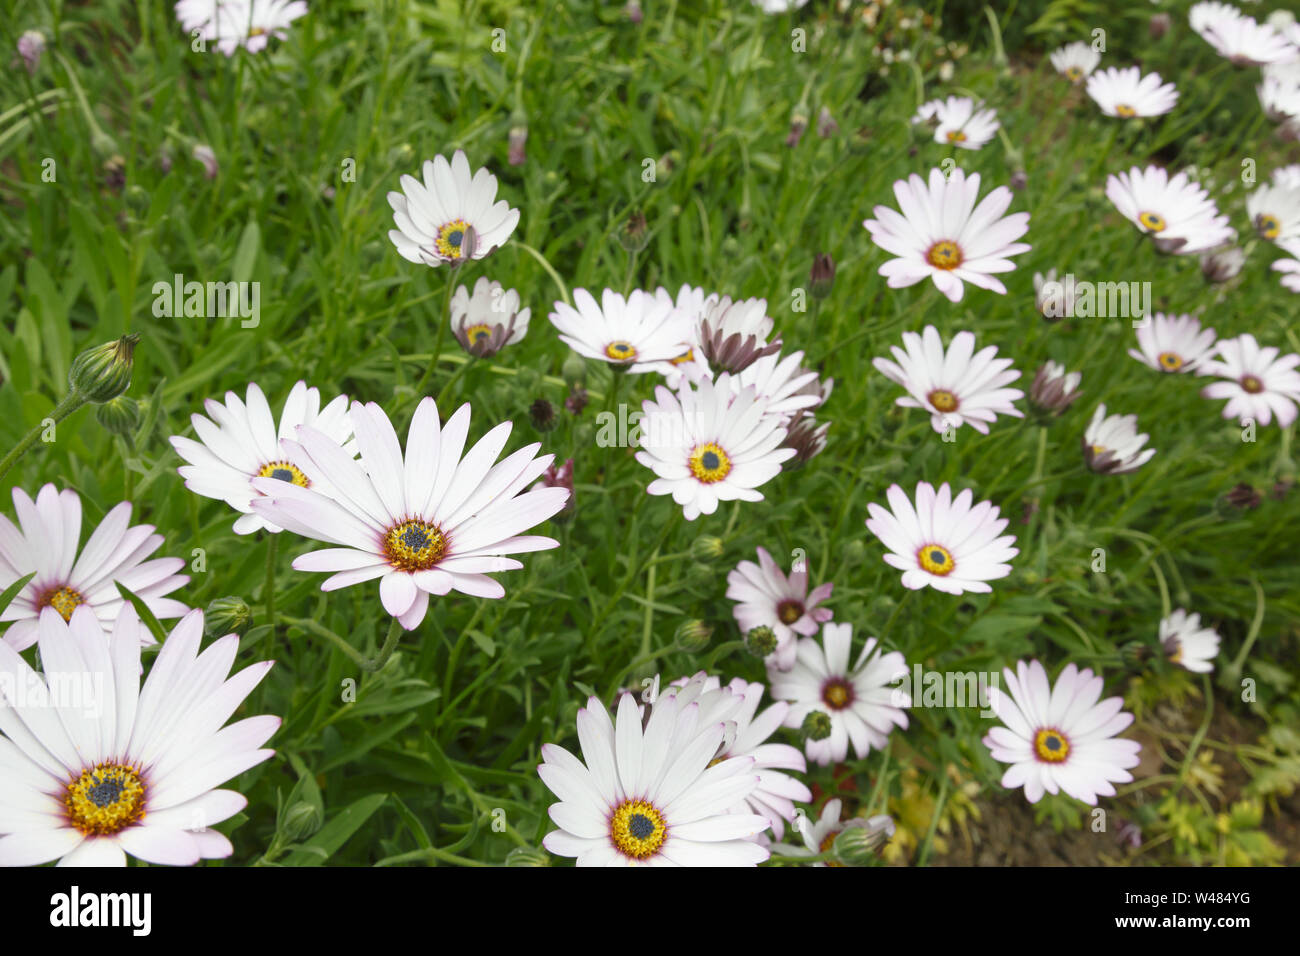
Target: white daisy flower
[819,837]
[241,441]
[651,797]
[487,321]
[692,305]
[1054,389]
[862,705]
[1075,61]
[1174,343]
[636,333]
[778,6]
[1243,41]
[46,541]
[1060,738]
[957,386]
[1187,644]
[1127,93]
[733,333]
[942,234]
[737,703]
[1112,445]
[709,443]
[959,122]
[424,521]
[1275,211]
[1279,98]
[1203,15]
[767,598]
[786,386]
[1053,298]
[1179,215]
[944,542]
[110,767]
[1258,384]
[450,217]
[230,24]
[1290,268]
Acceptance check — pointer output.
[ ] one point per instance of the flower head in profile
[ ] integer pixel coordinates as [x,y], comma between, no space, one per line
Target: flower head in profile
[1062,737]
[97,767]
[488,320]
[1244,41]
[242,441]
[943,542]
[767,598]
[862,706]
[650,791]
[452,216]
[426,520]
[692,305]
[1187,644]
[637,333]
[1112,444]
[957,386]
[1054,389]
[733,334]
[959,121]
[1075,61]
[1127,93]
[1258,382]
[1178,214]
[68,576]
[819,837]
[1174,343]
[942,234]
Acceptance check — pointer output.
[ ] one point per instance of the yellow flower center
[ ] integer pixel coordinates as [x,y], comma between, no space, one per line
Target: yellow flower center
[683,359]
[1074,73]
[789,611]
[1051,746]
[451,239]
[105,800]
[1170,361]
[944,254]
[827,844]
[1125,111]
[1252,384]
[64,600]
[837,693]
[637,829]
[477,333]
[1269,227]
[414,545]
[936,559]
[943,400]
[256,32]
[709,463]
[1098,450]
[285,471]
[1153,221]
[620,351]
[956,136]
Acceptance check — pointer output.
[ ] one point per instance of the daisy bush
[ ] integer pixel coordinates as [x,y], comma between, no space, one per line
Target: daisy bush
[570,401]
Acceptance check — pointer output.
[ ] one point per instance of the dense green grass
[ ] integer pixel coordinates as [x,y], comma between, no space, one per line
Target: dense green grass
[451,729]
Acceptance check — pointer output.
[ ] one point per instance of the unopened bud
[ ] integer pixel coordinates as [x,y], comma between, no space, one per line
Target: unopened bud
[857,845]
[817,725]
[706,548]
[574,369]
[542,414]
[527,856]
[302,820]
[103,372]
[693,635]
[822,275]
[761,641]
[227,615]
[120,416]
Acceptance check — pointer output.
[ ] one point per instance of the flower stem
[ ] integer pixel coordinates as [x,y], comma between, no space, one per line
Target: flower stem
[390,644]
[268,586]
[443,321]
[69,404]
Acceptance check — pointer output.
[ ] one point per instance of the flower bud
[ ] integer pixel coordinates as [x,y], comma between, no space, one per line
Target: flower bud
[1158,25]
[103,372]
[576,400]
[227,615]
[103,145]
[822,275]
[817,725]
[518,138]
[560,476]
[635,233]
[706,548]
[761,641]
[542,414]
[574,369]
[1222,264]
[857,845]
[30,47]
[693,635]
[302,820]
[798,125]
[205,155]
[527,856]
[1053,390]
[1134,654]
[120,416]
[1019,180]
[826,125]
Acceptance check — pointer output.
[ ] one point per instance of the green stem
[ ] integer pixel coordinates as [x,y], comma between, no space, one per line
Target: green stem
[385,652]
[443,321]
[455,376]
[69,404]
[268,587]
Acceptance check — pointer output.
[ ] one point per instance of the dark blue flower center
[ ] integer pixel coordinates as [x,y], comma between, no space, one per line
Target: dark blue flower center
[454,238]
[641,826]
[283,474]
[106,793]
[415,538]
[710,460]
[938,557]
[1052,743]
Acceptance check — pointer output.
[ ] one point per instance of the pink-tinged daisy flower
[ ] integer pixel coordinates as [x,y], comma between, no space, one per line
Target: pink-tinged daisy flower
[452,216]
[942,234]
[1053,390]
[488,320]
[1060,738]
[959,122]
[819,837]
[46,540]
[1127,93]
[1204,15]
[781,381]
[1174,343]
[958,386]
[1279,98]
[1243,41]
[636,333]
[1187,644]
[1112,444]
[1257,383]
[767,598]
[1075,61]
[242,441]
[734,333]
[1275,211]
[747,734]
[692,305]
[97,767]
[862,705]
[1178,214]
[710,443]
[1290,268]
[652,797]
[944,542]
[230,24]
[424,521]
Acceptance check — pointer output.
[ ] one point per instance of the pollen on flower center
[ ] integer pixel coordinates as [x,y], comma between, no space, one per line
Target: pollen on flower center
[1050,745]
[789,611]
[414,545]
[477,333]
[638,829]
[1153,221]
[956,136]
[105,799]
[1268,226]
[285,471]
[683,359]
[944,254]
[63,599]
[1074,73]
[620,351]
[1124,110]
[1170,361]
[936,559]
[709,463]
[451,239]
[1252,384]
[837,693]
[943,400]
[827,844]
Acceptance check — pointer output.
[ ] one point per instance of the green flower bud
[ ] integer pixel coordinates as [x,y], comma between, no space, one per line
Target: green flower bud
[761,641]
[227,615]
[1134,654]
[302,820]
[706,547]
[855,552]
[120,415]
[103,372]
[574,369]
[527,856]
[103,144]
[857,845]
[693,635]
[817,725]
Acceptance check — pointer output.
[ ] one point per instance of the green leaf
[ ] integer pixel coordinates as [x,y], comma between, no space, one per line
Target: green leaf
[246,254]
[146,615]
[337,832]
[11,592]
